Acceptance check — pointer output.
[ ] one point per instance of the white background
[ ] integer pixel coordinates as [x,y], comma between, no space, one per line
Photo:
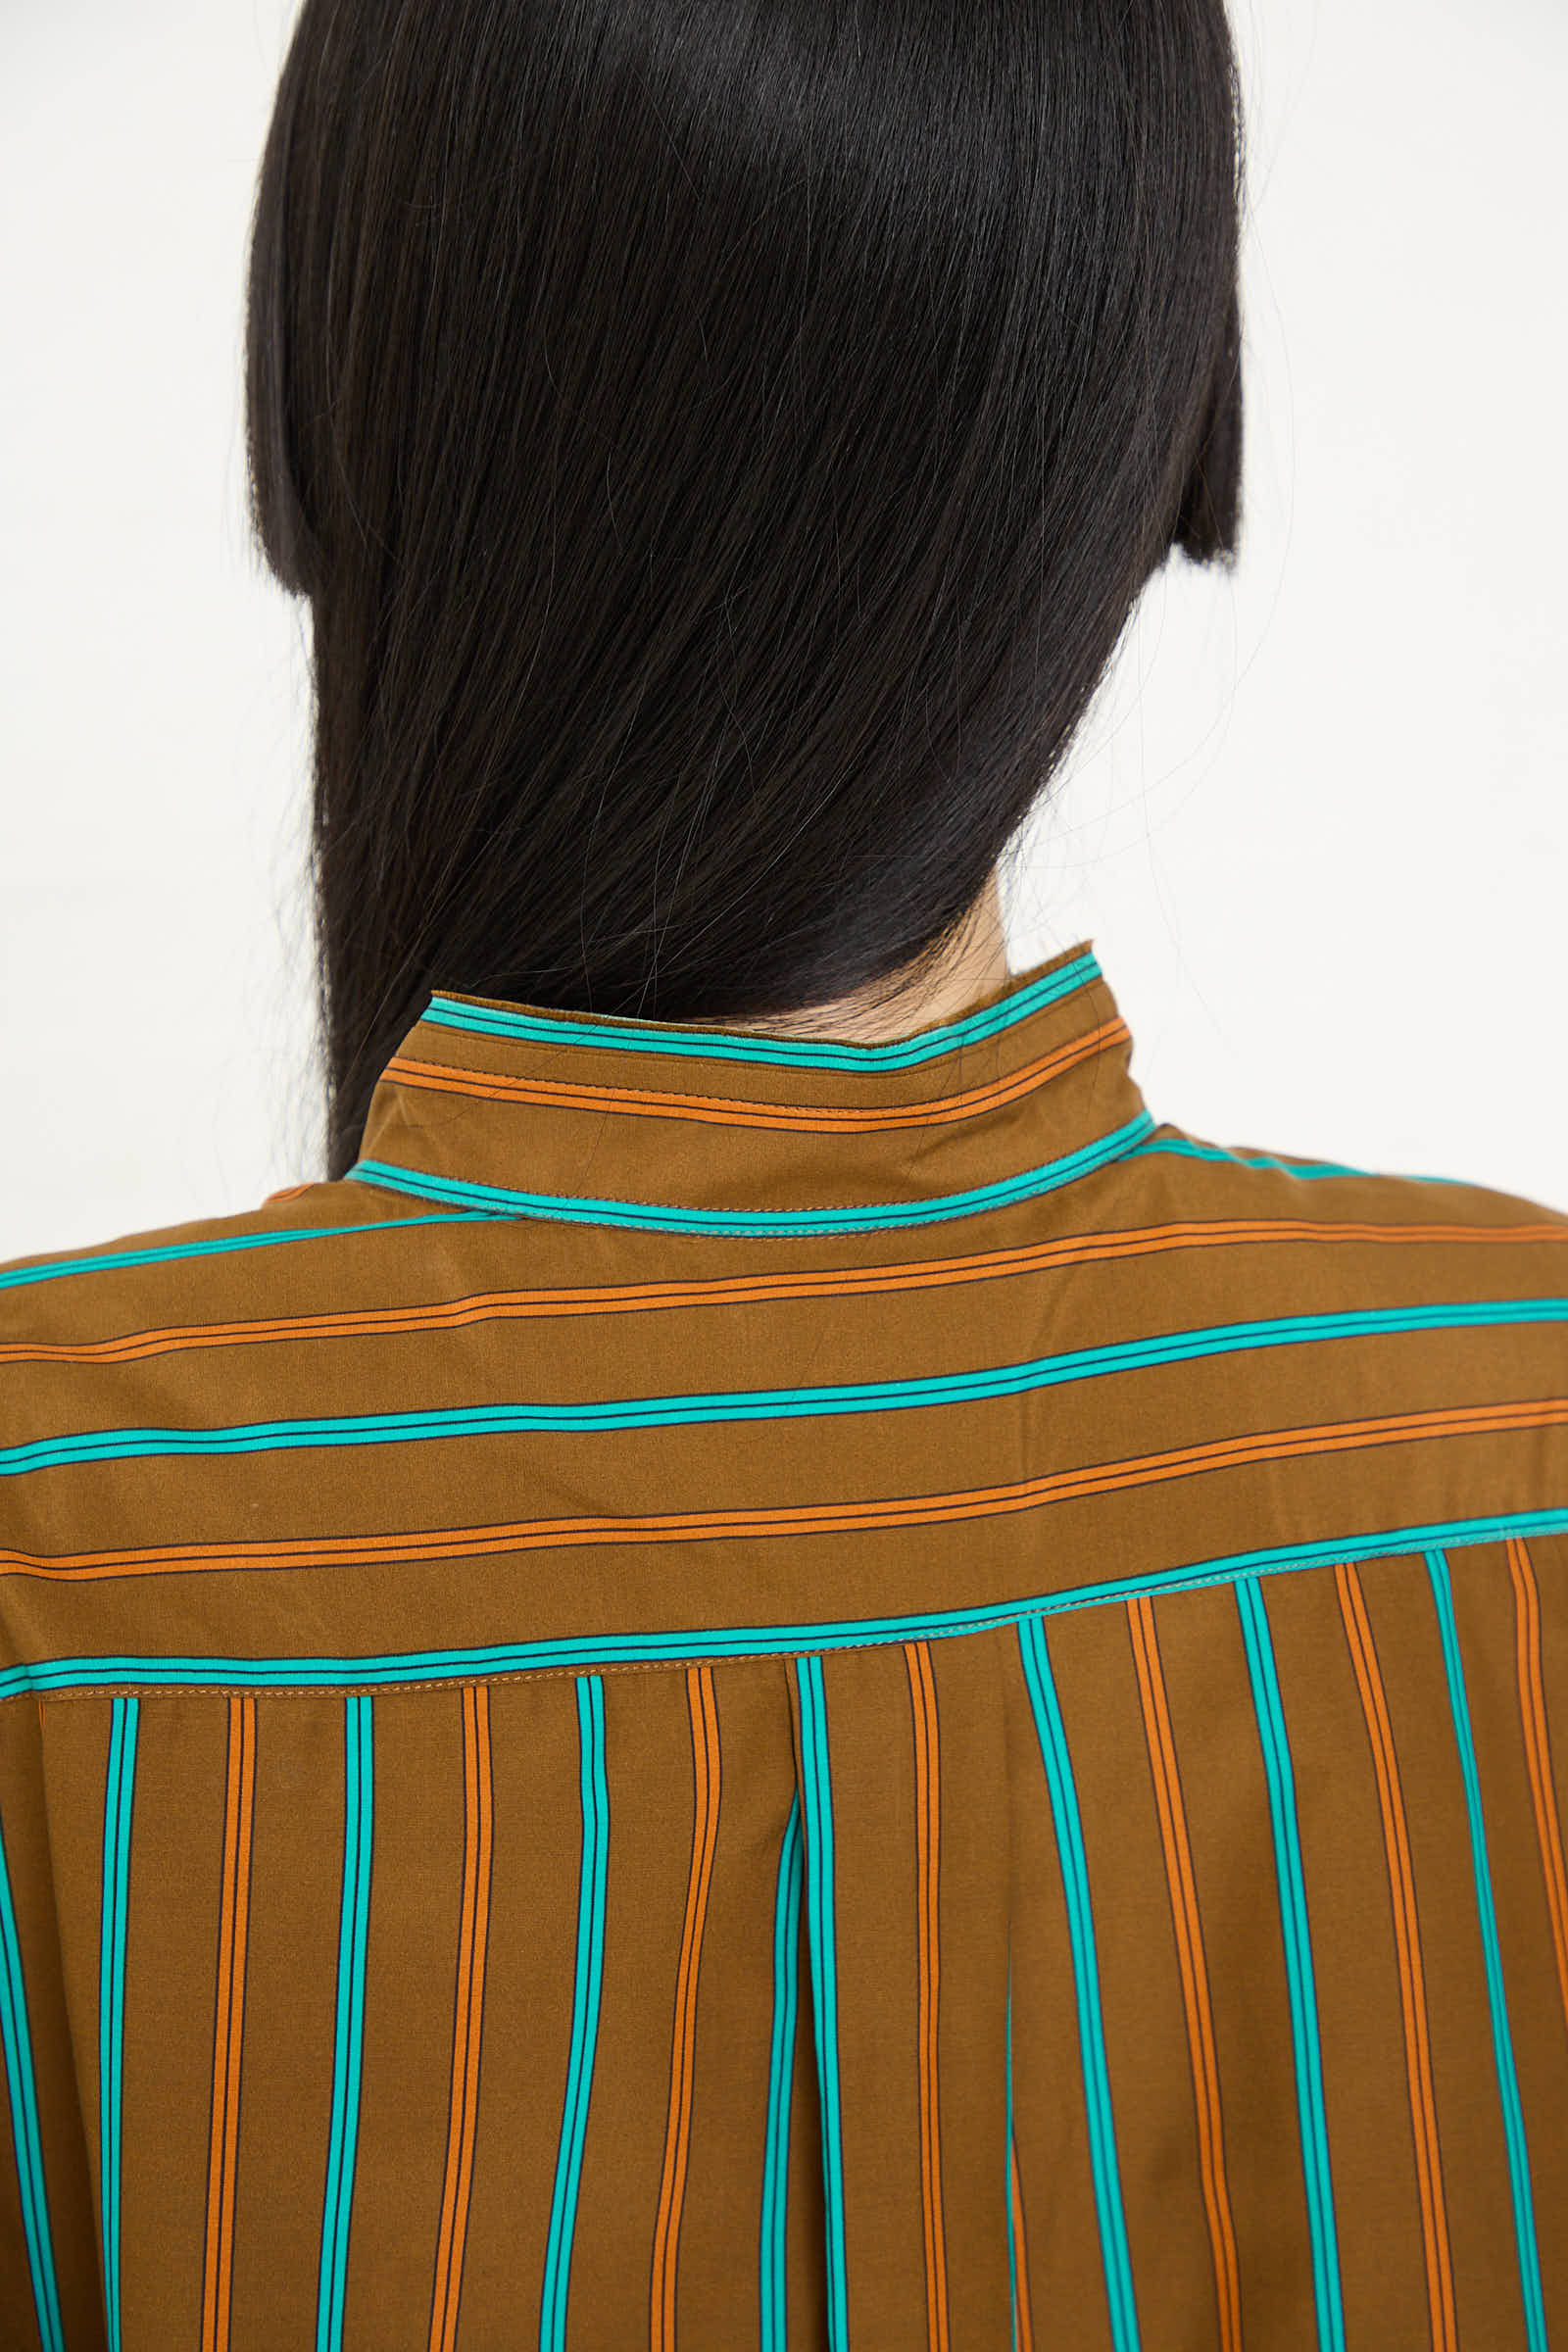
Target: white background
[1316,827]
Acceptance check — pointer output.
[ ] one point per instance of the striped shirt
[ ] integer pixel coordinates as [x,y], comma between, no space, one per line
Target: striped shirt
[763,1692]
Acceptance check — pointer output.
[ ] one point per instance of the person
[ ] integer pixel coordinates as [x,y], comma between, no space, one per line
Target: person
[770,1672]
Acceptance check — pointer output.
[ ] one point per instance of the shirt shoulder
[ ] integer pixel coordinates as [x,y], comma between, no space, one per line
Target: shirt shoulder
[1358,1284]
[1289,1191]
[167,1270]
[144,1328]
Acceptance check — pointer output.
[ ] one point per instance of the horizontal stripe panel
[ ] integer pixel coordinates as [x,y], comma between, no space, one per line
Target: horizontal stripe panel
[157,1253]
[1187,1242]
[874,1216]
[681,1643]
[776,1405]
[1186,1147]
[1152,1271]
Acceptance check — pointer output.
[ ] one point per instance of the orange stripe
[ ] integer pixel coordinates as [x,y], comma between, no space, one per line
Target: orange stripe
[705,1831]
[472,1938]
[1020,2263]
[460,2030]
[923,1510]
[1408,1942]
[232,1927]
[1194,1970]
[482,1940]
[748,1290]
[1538,1750]
[927,1809]
[720,1110]
[290,1192]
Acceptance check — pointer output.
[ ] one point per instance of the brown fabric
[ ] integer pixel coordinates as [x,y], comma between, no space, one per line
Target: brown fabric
[1072,1858]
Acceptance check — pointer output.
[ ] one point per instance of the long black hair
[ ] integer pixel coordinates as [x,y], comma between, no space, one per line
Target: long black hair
[722,442]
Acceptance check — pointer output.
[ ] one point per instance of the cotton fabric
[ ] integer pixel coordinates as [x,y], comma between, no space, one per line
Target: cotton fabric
[761,1691]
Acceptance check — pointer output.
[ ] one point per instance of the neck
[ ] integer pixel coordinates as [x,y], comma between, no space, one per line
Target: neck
[975,966]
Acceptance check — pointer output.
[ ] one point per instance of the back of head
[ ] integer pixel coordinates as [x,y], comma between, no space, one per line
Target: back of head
[722,442]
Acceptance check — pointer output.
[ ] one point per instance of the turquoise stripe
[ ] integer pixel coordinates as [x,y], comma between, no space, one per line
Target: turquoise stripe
[118,1797]
[666,1039]
[1187,1147]
[1513,2122]
[818,1807]
[1007,2190]
[19,2078]
[873,1217]
[704,1407]
[1053,1738]
[109,1262]
[584,2011]
[780,2079]
[353,1924]
[12,1278]
[308,1672]
[1275,1743]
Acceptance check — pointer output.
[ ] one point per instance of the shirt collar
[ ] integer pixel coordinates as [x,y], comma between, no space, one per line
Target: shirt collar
[523,1110]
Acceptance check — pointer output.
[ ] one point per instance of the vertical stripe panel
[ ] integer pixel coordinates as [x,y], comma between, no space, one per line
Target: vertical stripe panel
[928,1840]
[1537,1753]
[1023,2326]
[1012,2193]
[354,1920]
[1013,2165]
[817,1815]
[118,1797]
[1185,1918]
[591,1891]
[1053,1738]
[700,1700]
[780,2076]
[1312,2120]
[474,1931]
[1501,2040]
[1012,2250]
[22,2084]
[234,1918]
[1408,1942]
